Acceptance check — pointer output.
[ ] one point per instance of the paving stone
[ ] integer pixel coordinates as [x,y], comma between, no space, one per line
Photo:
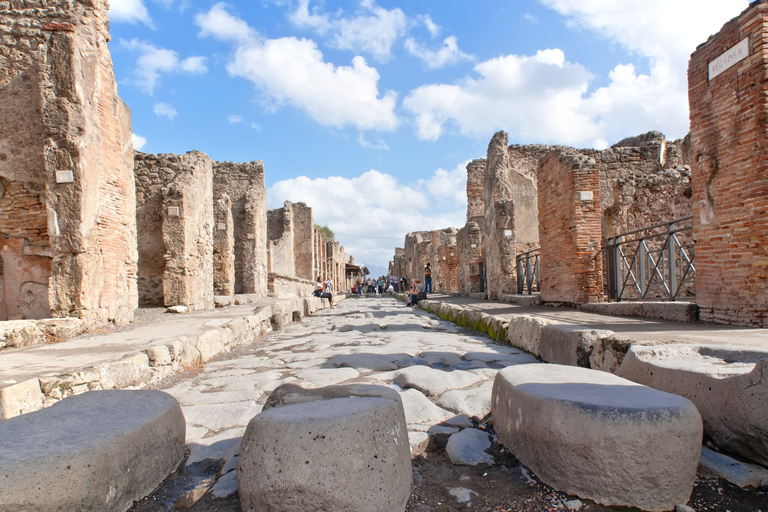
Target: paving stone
[215,447]
[469,402]
[220,416]
[467,448]
[420,409]
[598,436]
[741,474]
[364,362]
[95,452]
[326,377]
[434,382]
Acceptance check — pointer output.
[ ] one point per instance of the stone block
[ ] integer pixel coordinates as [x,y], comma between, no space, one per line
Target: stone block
[61,329]
[159,355]
[479,295]
[608,353]
[674,311]
[223,301]
[614,308]
[20,333]
[725,383]
[20,398]
[569,344]
[211,343]
[522,300]
[96,452]
[340,448]
[598,436]
[718,465]
[524,332]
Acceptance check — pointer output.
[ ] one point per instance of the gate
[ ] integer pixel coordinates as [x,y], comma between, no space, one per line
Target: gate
[528,272]
[653,262]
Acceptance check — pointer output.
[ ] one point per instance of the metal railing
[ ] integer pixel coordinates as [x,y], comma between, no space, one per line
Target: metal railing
[653,262]
[528,272]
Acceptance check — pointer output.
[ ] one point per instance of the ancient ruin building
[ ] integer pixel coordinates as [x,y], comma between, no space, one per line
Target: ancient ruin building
[397,265]
[290,235]
[469,239]
[174,216]
[243,184]
[439,248]
[570,229]
[729,168]
[67,202]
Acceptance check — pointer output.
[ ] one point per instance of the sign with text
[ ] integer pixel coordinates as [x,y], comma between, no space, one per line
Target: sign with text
[729,58]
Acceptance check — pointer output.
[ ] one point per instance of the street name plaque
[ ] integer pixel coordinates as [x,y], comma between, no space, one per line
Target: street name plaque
[729,58]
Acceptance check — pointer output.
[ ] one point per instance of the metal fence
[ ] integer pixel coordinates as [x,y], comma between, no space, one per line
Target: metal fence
[528,272]
[653,262]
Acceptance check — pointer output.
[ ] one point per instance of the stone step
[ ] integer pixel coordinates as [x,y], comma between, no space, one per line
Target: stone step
[95,452]
[726,384]
[598,436]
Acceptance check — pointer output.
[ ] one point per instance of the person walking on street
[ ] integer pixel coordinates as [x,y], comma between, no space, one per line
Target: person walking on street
[428,278]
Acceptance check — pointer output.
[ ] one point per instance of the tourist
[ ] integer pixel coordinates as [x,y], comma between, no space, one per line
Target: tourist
[428,279]
[404,283]
[319,291]
[417,290]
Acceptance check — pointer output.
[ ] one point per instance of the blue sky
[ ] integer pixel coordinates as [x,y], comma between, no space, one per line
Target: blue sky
[369,110]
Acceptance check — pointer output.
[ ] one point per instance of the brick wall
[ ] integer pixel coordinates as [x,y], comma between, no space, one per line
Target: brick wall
[244,184]
[729,163]
[570,228]
[61,112]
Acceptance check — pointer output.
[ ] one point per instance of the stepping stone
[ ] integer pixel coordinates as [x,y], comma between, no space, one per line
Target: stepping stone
[340,448]
[726,384]
[95,452]
[598,436]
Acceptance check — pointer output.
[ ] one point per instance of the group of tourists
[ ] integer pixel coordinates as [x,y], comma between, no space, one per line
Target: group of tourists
[415,290]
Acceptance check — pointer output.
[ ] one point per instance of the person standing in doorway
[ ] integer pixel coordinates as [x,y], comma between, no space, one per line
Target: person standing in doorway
[428,278]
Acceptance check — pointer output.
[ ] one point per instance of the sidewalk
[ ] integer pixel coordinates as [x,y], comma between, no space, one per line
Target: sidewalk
[155,346]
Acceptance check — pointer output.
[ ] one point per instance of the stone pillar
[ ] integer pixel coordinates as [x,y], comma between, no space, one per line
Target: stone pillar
[188,235]
[224,248]
[303,240]
[571,265]
[728,82]
[469,240]
[66,135]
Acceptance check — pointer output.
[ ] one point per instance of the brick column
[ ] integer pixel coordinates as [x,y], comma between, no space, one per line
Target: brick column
[570,231]
[728,86]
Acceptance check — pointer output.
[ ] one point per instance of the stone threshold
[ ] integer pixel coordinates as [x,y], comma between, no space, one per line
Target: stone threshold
[139,369]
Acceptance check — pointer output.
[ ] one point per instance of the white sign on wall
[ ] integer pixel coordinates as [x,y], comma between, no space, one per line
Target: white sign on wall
[729,58]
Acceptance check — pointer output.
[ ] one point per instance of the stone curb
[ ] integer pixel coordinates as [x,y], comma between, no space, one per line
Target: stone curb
[138,369]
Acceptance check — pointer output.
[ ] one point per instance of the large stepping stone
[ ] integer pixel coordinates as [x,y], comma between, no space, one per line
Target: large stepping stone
[727,385]
[598,436]
[340,448]
[95,452]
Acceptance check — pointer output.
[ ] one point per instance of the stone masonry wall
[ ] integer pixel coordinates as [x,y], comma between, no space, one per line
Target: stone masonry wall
[570,233]
[223,248]
[175,219]
[280,241]
[729,164]
[66,135]
[469,241]
[303,241]
[245,186]
[439,248]
[475,180]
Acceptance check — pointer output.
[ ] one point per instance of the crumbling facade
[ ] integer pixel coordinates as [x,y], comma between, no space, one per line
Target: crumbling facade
[67,202]
[570,231]
[243,184]
[397,265]
[439,248]
[290,235]
[469,239]
[727,91]
[174,216]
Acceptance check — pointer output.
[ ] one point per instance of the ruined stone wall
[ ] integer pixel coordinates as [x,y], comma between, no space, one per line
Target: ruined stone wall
[729,164]
[397,265]
[469,241]
[303,241]
[280,245]
[175,219]
[570,232]
[475,181]
[321,257]
[438,248]
[66,135]
[224,247]
[244,184]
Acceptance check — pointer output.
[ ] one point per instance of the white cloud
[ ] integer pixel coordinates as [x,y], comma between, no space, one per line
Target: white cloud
[372,29]
[219,23]
[165,110]
[153,62]
[432,27]
[449,53]
[235,119]
[138,141]
[256,126]
[545,98]
[379,144]
[530,96]
[291,71]
[129,11]
[448,187]
[390,209]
